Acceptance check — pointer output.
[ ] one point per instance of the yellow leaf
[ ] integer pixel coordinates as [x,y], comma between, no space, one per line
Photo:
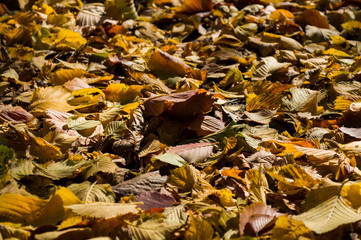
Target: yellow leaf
[280,14]
[70,222]
[199,229]
[120,92]
[225,197]
[335,52]
[62,76]
[68,40]
[34,211]
[341,103]
[50,98]
[352,193]
[290,229]
[43,150]
[264,101]
[130,106]
[352,26]
[86,97]
[183,178]
[291,177]
[103,210]
[14,231]
[257,185]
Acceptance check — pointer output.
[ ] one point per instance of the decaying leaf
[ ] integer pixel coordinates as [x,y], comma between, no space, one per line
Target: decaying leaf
[180,119]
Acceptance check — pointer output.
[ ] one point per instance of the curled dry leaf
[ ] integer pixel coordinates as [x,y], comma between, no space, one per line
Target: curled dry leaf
[257,219]
[14,114]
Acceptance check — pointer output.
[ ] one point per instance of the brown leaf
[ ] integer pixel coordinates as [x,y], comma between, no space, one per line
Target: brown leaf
[155,200]
[313,17]
[182,106]
[257,219]
[194,6]
[14,114]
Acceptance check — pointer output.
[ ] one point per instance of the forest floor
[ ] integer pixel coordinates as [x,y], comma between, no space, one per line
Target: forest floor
[171,119]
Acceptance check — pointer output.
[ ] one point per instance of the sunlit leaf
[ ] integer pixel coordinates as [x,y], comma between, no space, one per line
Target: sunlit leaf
[67,40]
[191,7]
[267,66]
[199,229]
[183,178]
[102,209]
[122,93]
[50,98]
[35,211]
[329,215]
[62,76]
[91,192]
[259,217]
[288,228]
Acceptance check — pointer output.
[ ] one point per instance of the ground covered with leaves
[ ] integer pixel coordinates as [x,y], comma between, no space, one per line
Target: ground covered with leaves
[172,119]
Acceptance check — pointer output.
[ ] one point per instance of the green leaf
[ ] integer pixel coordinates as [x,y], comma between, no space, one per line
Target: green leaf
[171,158]
[6,154]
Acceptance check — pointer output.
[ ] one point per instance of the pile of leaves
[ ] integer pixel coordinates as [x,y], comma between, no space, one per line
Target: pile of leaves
[170,119]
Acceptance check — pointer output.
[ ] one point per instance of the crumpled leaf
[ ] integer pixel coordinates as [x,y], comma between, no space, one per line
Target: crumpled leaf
[14,114]
[199,229]
[257,219]
[304,100]
[183,178]
[121,9]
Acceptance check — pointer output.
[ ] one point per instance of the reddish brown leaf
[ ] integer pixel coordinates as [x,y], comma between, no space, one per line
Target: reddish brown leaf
[257,219]
[155,200]
[181,106]
[14,114]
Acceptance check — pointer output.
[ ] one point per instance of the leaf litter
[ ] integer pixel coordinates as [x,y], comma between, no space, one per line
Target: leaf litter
[194,119]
